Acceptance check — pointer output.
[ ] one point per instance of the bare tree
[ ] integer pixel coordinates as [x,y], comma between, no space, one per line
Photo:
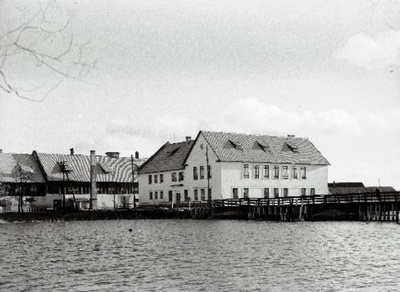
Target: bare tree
[22,176]
[37,39]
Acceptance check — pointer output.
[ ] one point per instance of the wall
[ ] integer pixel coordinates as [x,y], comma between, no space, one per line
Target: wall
[232,177]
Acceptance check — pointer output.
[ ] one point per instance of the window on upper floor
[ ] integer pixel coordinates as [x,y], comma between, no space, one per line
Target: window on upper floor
[295,174]
[266,171]
[285,172]
[196,194]
[276,172]
[203,194]
[303,172]
[256,171]
[246,173]
[161,178]
[155,178]
[195,174]
[276,193]
[150,179]
[155,195]
[173,176]
[181,176]
[202,172]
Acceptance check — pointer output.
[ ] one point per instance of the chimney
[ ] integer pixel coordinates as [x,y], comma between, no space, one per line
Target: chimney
[93,187]
[188,139]
[71,150]
[137,154]
[1,150]
[112,154]
[291,136]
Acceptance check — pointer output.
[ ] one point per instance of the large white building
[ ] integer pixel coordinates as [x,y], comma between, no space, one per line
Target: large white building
[240,166]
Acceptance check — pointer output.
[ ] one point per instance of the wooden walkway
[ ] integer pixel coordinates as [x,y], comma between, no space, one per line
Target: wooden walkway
[364,207]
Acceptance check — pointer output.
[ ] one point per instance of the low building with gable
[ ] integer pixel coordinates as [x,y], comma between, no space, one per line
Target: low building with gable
[218,165]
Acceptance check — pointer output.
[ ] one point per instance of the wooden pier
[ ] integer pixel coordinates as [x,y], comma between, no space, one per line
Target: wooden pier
[356,207]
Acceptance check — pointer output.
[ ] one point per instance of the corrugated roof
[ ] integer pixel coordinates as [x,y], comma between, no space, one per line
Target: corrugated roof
[9,168]
[273,149]
[358,190]
[79,166]
[168,157]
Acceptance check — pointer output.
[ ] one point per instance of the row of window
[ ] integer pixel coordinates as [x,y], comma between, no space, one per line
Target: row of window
[276,192]
[197,194]
[202,172]
[283,172]
[160,177]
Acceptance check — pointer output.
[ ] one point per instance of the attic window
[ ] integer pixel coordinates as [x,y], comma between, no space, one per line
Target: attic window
[293,148]
[172,152]
[26,169]
[263,146]
[236,145]
[65,167]
[106,168]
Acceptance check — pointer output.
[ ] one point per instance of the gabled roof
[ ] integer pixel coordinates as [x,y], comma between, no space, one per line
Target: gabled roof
[263,149]
[169,157]
[13,165]
[359,190]
[107,169]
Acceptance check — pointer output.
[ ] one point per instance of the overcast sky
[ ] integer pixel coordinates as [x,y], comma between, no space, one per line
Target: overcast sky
[325,70]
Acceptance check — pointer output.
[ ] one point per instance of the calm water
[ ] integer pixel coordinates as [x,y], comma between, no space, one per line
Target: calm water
[183,255]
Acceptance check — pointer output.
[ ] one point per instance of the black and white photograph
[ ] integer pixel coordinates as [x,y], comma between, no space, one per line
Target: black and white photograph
[174,145]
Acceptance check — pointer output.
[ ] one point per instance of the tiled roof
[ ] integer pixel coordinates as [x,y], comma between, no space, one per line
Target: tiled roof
[168,157]
[234,147]
[358,190]
[107,169]
[9,168]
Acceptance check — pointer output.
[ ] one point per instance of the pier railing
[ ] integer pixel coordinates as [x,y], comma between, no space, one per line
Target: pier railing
[370,197]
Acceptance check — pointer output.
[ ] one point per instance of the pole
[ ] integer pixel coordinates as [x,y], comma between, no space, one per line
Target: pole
[208,176]
[133,183]
[93,188]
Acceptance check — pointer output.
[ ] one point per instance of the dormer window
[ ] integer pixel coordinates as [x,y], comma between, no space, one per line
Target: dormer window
[106,168]
[262,145]
[292,147]
[172,152]
[236,145]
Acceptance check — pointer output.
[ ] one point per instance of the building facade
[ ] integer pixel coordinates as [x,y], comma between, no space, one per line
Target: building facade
[219,165]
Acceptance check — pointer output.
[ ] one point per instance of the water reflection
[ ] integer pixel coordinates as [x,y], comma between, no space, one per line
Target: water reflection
[172,255]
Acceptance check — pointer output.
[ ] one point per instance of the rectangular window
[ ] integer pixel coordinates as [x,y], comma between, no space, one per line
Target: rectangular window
[276,193]
[155,178]
[161,178]
[33,189]
[195,174]
[266,193]
[303,192]
[161,195]
[286,192]
[201,172]
[266,171]
[173,176]
[150,179]
[186,194]
[295,174]
[256,171]
[170,196]
[196,195]
[246,171]
[181,176]
[312,192]
[245,193]
[235,194]
[151,196]
[303,172]
[276,172]
[203,194]
[209,172]
[155,195]
[285,172]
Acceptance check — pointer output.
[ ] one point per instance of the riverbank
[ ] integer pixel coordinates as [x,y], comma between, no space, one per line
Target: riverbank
[96,215]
